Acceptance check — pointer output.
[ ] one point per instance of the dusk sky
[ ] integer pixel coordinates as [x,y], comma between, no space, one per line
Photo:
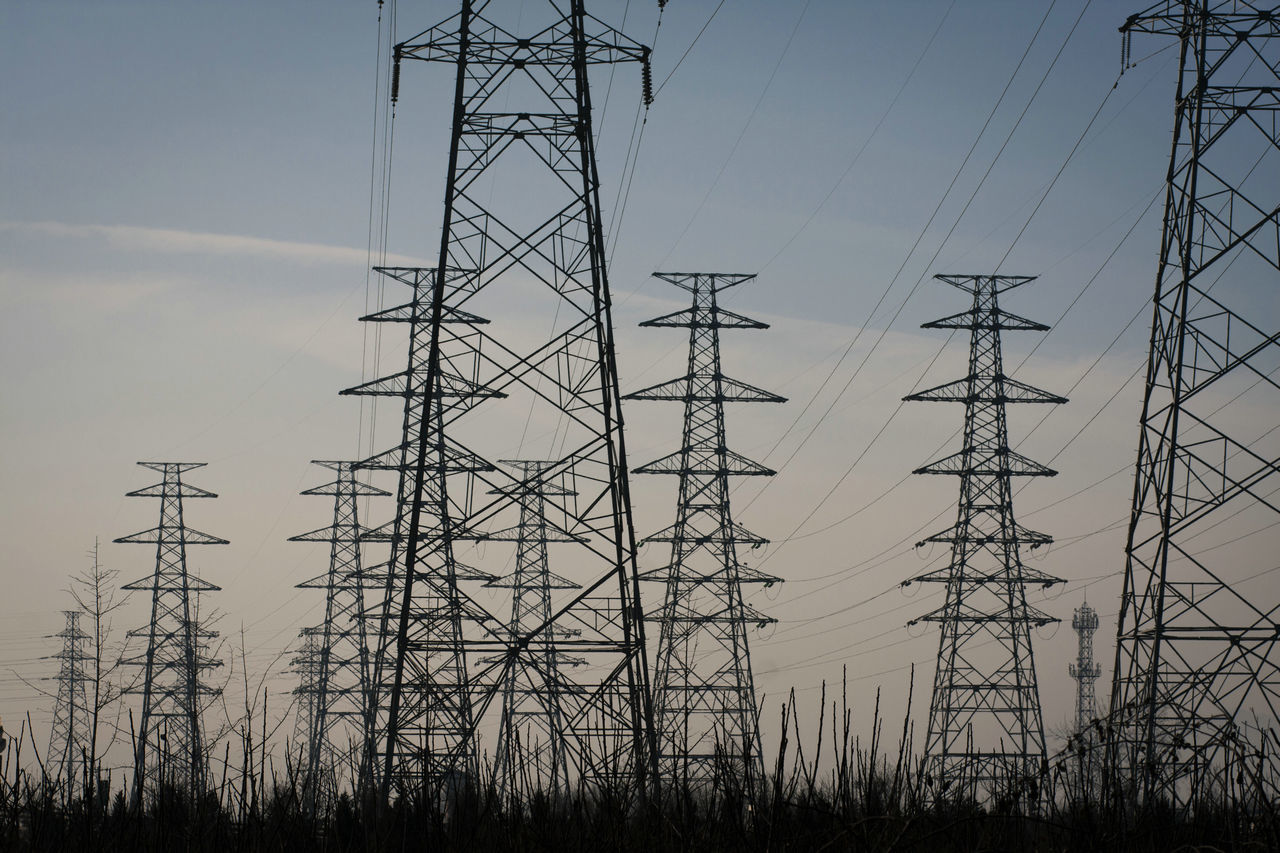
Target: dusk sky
[185,237]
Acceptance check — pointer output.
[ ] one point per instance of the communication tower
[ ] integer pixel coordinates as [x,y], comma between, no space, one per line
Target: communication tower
[1084,670]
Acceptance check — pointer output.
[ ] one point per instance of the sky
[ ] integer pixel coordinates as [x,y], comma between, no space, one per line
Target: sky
[185,237]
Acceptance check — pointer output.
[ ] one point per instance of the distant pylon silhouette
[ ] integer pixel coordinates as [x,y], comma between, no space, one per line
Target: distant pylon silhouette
[704,691]
[170,749]
[1197,673]
[1084,670]
[986,730]
[530,756]
[69,739]
[333,696]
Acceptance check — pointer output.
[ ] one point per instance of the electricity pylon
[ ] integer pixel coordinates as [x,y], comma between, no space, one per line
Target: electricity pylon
[306,664]
[334,662]
[986,732]
[420,729]
[522,236]
[1084,670]
[704,692]
[170,738]
[530,757]
[69,739]
[1197,671]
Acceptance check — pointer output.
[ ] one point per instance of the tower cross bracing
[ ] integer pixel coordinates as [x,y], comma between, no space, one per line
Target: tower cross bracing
[986,732]
[1197,675]
[511,345]
[335,685]
[169,746]
[69,739]
[704,689]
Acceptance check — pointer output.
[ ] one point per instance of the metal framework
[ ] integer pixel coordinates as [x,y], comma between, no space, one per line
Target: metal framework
[522,239]
[334,667]
[308,665]
[986,732]
[1197,669]
[420,729]
[170,748]
[1085,622]
[530,757]
[704,694]
[69,738]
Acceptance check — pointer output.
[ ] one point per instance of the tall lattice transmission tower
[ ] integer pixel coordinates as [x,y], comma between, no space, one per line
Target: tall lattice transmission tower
[986,731]
[334,665]
[704,693]
[522,245]
[1085,622]
[419,732]
[1197,662]
[530,757]
[170,749]
[307,664]
[69,739]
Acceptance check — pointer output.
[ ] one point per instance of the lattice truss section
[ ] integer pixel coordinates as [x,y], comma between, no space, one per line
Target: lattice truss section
[704,693]
[70,736]
[420,729]
[1085,671]
[170,748]
[986,732]
[530,755]
[1196,675]
[333,664]
[511,347]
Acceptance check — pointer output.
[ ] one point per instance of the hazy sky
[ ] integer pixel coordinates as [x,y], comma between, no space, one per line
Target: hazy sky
[184,241]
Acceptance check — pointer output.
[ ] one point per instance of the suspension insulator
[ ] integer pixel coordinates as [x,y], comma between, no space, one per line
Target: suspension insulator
[395,77]
[646,79]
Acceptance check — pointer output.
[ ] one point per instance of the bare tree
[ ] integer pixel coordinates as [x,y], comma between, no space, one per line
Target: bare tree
[96,591]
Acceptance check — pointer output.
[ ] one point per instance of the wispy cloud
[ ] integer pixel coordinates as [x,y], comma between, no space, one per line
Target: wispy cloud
[174,241]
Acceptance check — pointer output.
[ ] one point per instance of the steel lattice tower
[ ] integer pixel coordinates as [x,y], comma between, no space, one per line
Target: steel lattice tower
[1084,670]
[522,239]
[308,666]
[69,737]
[1197,661]
[420,731]
[530,757]
[704,693]
[985,726]
[334,662]
[170,737]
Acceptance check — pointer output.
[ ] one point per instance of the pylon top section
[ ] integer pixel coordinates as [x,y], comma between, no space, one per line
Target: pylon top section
[993,283]
[180,467]
[1167,18]
[455,38]
[713,282]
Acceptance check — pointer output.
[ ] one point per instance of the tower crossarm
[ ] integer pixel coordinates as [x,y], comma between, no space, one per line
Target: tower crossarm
[522,235]
[175,656]
[985,699]
[1196,652]
[704,690]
